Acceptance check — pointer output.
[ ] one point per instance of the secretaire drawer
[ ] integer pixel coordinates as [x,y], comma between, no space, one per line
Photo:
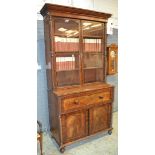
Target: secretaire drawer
[85,100]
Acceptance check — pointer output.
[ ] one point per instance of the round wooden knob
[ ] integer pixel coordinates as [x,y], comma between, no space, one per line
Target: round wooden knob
[76,101]
[100,97]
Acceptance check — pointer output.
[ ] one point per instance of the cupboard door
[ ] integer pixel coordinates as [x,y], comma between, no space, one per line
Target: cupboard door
[99,118]
[74,126]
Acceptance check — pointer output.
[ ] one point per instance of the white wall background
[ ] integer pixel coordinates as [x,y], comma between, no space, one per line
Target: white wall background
[107,6]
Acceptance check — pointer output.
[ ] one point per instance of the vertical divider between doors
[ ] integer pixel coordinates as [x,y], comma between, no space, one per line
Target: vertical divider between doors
[81,53]
[104,40]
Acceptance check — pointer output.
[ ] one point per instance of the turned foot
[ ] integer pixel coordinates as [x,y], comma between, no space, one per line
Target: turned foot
[110,132]
[52,136]
[62,150]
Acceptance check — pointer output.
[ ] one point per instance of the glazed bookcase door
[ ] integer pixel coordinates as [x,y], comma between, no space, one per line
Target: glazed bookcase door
[74,126]
[93,59]
[99,118]
[66,47]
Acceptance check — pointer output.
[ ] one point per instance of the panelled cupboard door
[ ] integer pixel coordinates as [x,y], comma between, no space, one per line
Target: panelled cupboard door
[99,118]
[74,126]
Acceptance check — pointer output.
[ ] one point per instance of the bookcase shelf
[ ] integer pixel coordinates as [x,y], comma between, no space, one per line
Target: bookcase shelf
[93,68]
[69,70]
[65,36]
[66,52]
[93,52]
[92,37]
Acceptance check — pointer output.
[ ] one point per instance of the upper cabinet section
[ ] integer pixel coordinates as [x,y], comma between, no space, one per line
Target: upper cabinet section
[75,43]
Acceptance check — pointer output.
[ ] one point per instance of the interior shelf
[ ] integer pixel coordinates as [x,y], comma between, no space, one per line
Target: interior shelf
[92,37]
[93,52]
[94,68]
[65,52]
[67,70]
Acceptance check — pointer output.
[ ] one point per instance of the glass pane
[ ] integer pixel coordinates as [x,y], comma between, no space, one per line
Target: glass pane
[64,44]
[93,75]
[65,78]
[66,27]
[92,45]
[66,35]
[67,62]
[94,29]
[93,60]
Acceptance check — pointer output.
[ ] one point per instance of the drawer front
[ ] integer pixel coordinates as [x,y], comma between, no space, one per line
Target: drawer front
[85,100]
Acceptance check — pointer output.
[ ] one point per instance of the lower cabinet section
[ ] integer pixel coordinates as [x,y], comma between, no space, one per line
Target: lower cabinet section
[74,126]
[80,124]
[76,116]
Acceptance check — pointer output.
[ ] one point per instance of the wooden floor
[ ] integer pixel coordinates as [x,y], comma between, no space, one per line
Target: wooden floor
[102,144]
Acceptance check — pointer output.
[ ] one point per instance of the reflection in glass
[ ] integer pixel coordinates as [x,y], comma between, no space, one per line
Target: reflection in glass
[92,28]
[66,35]
[66,27]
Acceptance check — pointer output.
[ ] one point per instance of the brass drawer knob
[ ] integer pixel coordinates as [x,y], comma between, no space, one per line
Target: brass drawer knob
[76,101]
[100,97]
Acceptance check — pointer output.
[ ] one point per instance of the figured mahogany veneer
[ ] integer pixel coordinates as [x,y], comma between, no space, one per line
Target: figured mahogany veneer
[74,126]
[84,101]
[79,99]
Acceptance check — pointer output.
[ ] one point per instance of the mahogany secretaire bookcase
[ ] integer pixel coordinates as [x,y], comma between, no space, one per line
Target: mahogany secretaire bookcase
[80,100]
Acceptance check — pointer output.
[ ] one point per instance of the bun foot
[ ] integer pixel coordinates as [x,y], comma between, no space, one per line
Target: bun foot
[110,132]
[62,150]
